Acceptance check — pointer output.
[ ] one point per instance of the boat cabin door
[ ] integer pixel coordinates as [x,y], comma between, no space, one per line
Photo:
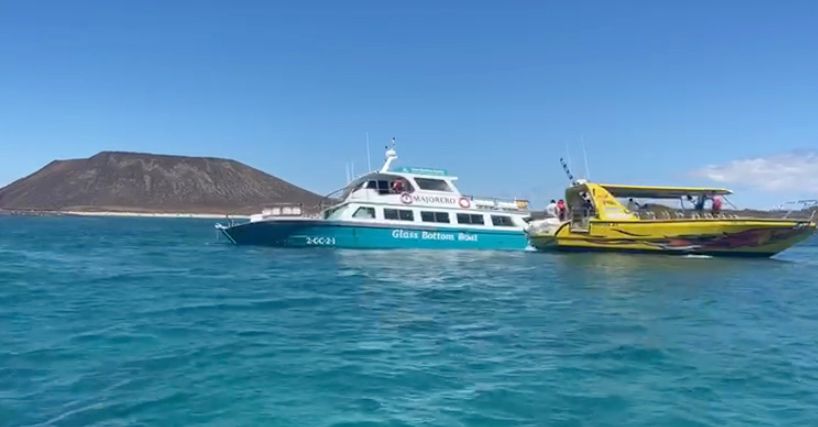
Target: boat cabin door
[582,210]
[579,222]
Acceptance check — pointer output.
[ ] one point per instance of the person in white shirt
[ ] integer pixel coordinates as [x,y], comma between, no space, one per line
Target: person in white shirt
[551,209]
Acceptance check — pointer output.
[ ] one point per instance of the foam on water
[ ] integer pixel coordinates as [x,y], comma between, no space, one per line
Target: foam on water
[112,321]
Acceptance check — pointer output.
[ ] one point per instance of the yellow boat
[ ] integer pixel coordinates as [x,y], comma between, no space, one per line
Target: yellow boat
[598,221]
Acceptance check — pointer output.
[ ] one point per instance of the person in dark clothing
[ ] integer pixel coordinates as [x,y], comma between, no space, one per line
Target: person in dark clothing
[700,203]
[587,205]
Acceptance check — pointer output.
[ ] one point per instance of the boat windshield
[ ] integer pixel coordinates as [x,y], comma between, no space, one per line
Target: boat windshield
[433,184]
[387,185]
[383,184]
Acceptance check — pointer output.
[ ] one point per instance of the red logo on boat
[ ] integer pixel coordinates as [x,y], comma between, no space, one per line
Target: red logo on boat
[464,203]
[406,198]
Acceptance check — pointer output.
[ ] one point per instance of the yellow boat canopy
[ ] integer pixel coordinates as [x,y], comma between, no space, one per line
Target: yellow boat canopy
[652,192]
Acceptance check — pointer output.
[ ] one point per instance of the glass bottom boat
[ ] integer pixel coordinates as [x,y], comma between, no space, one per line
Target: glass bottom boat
[393,208]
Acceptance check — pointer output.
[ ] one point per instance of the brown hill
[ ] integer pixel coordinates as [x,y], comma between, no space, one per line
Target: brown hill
[137,182]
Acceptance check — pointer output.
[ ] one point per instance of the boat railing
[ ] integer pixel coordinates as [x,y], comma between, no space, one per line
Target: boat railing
[284,210]
[797,206]
[705,215]
[493,203]
[688,215]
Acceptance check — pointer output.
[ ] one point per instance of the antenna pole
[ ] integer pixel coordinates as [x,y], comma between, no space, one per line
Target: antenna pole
[585,156]
[568,154]
[368,155]
[567,171]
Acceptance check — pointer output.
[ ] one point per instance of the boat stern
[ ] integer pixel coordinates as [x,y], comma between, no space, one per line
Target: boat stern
[542,234]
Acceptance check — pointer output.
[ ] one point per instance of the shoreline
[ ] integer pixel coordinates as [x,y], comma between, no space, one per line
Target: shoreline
[125,214]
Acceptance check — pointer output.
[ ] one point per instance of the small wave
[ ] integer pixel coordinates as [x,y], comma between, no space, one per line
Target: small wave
[245,336]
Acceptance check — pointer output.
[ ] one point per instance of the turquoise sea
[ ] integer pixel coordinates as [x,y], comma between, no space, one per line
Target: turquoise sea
[151,322]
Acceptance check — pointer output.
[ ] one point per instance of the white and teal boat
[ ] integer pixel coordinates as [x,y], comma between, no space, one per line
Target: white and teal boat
[395,207]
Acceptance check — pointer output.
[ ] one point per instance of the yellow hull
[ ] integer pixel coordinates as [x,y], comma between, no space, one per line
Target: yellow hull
[732,237]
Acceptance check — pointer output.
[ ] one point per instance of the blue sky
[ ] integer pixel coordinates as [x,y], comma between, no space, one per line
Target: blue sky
[693,92]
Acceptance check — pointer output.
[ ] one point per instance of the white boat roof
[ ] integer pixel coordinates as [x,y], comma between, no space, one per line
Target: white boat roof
[422,172]
[448,198]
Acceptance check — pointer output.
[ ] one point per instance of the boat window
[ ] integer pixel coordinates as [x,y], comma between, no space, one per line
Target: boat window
[432,184]
[398,215]
[406,215]
[442,217]
[400,185]
[364,212]
[502,221]
[328,213]
[475,219]
[383,187]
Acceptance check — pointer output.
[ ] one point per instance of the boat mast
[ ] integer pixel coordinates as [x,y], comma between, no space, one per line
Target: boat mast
[585,158]
[368,155]
[391,156]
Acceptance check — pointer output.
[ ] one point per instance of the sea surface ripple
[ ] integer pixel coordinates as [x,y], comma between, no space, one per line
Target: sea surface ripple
[115,322]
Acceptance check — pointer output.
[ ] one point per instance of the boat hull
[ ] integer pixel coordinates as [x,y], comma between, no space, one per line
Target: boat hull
[718,237]
[339,234]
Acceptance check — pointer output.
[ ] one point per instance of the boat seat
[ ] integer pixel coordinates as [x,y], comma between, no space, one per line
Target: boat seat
[664,215]
[650,215]
[680,215]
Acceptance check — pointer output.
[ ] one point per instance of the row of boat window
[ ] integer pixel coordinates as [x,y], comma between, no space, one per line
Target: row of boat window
[434,216]
[401,185]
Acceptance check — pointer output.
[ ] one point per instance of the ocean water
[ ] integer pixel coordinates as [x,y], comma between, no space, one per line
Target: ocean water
[120,322]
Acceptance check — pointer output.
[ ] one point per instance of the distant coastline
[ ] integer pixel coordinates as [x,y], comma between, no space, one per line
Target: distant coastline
[113,183]
[122,214]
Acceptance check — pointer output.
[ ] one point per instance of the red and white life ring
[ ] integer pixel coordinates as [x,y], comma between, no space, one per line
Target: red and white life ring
[406,198]
[464,203]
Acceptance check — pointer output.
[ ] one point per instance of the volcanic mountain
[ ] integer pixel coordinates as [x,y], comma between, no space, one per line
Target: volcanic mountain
[149,183]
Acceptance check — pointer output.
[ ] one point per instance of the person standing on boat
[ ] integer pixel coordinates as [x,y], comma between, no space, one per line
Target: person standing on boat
[561,210]
[700,203]
[587,205]
[716,207]
[551,209]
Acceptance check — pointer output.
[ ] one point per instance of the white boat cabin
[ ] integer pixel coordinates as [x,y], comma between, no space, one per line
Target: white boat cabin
[404,195]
